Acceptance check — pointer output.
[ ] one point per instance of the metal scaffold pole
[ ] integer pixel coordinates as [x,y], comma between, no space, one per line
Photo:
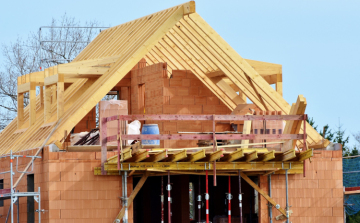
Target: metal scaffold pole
[169,198]
[240,199]
[207,197]
[269,204]
[287,196]
[229,197]
[199,201]
[162,199]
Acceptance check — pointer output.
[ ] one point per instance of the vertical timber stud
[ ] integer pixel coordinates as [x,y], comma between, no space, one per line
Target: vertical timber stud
[279,84]
[47,103]
[169,198]
[32,103]
[207,197]
[162,199]
[240,198]
[60,96]
[214,149]
[42,95]
[103,140]
[20,111]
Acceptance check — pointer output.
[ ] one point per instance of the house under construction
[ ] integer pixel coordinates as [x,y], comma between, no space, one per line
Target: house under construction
[220,159]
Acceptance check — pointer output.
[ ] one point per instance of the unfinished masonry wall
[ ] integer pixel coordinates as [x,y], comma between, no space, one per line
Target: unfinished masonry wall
[69,190]
[318,197]
[183,93]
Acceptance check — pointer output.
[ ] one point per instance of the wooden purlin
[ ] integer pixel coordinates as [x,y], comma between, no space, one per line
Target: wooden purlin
[133,48]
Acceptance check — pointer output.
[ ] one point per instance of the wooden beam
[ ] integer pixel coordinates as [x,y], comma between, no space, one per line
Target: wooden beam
[32,104]
[264,166]
[189,7]
[132,51]
[233,156]
[267,156]
[265,68]
[251,156]
[157,157]
[229,91]
[47,103]
[279,84]
[176,156]
[288,155]
[196,156]
[293,127]
[305,155]
[133,195]
[213,156]
[263,193]
[246,130]
[81,71]
[139,156]
[23,88]
[89,148]
[271,172]
[20,109]
[273,99]
[216,73]
[60,96]
[53,79]
[126,155]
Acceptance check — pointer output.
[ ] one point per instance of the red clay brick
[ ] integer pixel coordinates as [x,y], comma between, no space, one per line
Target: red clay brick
[188,100]
[212,101]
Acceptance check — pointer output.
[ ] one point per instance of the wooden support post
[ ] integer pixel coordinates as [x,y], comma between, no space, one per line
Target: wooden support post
[32,103]
[53,94]
[257,188]
[279,84]
[60,96]
[42,96]
[47,104]
[246,130]
[20,110]
[133,195]
[293,127]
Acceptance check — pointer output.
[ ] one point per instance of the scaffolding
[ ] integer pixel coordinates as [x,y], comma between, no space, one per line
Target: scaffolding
[14,195]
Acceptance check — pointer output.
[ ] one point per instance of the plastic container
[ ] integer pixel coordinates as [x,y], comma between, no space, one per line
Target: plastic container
[150,129]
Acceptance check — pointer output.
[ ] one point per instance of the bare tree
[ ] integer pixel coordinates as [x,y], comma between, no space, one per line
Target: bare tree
[24,56]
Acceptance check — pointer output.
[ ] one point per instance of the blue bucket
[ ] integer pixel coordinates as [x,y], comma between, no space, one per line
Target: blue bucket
[150,129]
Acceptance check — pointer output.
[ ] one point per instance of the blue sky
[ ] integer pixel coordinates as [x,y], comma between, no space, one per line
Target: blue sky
[317,42]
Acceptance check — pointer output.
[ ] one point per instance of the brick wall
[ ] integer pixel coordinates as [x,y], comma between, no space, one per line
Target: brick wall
[70,192]
[318,197]
[183,93]
[87,123]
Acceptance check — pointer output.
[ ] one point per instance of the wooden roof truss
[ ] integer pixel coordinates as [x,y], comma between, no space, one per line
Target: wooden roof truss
[177,36]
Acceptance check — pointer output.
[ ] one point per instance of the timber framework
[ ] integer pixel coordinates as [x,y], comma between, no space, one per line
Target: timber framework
[173,71]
